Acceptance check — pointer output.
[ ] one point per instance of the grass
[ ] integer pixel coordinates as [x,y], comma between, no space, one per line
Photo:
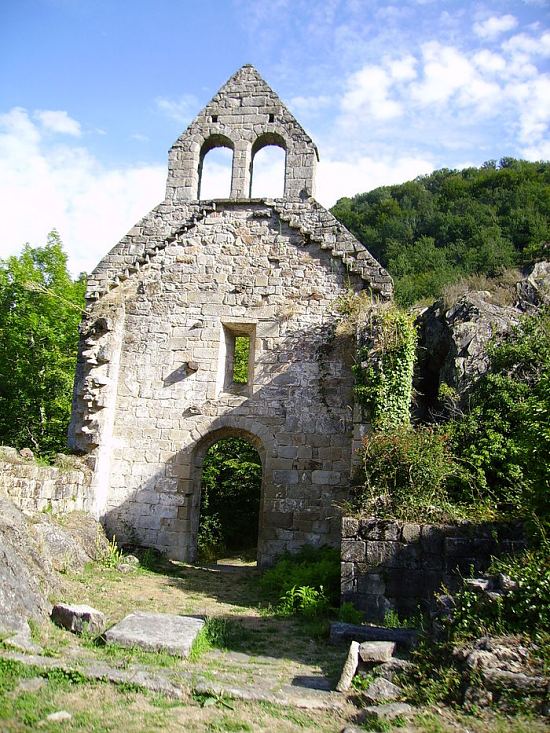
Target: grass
[241,644]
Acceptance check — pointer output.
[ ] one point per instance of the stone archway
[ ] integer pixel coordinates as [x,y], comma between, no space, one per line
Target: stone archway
[197,462]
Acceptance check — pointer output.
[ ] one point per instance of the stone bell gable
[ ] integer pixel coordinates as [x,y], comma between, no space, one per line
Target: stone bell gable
[245,115]
[155,385]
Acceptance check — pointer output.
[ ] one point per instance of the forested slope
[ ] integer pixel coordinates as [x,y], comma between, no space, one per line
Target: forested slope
[438,228]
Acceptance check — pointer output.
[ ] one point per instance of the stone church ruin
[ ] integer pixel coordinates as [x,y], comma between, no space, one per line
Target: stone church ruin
[155,384]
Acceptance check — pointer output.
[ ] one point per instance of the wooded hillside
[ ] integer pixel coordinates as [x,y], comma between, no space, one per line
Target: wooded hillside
[438,228]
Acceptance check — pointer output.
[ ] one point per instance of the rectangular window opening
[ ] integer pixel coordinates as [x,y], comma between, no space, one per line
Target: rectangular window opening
[214,118]
[272,118]
[241,359]
[236,358]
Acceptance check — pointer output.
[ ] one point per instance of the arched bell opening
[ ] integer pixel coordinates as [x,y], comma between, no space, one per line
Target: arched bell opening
[268,166]
[215,168]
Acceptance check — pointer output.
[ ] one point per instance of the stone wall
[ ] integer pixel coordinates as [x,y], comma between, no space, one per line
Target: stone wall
[35,488]
[394,565]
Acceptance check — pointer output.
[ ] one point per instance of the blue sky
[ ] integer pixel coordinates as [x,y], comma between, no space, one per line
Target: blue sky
[94,92]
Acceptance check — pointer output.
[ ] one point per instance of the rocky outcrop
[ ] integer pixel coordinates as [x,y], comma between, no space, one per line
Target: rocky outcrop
[453,338]
[31,550]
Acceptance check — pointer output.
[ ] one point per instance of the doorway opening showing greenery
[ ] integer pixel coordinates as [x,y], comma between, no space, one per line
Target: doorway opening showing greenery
[230,501]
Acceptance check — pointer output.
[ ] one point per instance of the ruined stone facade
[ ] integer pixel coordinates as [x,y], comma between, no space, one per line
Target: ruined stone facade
[154,387]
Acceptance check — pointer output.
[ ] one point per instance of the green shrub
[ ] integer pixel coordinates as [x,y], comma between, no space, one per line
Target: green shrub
[349,614]
[404,474]
[524,610]
[505,436]
[315,568]
[305,600]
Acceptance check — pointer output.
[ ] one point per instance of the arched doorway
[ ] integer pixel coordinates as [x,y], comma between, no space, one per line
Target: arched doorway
[228,511]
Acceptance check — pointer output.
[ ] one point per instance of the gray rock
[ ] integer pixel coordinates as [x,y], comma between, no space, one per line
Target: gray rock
[65,552]
[156,632]
[505,582]
[340,631]
[26,573]
[388,670]
[382,690]
[26,454]
[78,618]
[350,668]
[131,560]
[376,651]
[125,568]
[389,711]
[478,584]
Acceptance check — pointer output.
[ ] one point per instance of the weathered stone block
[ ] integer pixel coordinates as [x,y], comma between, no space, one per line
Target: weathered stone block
[78,618]
[376,651]
[156,632]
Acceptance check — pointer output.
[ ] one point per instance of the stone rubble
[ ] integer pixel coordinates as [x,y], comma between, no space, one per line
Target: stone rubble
[79,618]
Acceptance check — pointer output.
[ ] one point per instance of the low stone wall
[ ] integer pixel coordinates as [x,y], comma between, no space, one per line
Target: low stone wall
[43,488]
[394,565]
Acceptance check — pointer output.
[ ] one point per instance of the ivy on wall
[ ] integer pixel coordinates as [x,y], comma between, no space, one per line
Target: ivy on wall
[385,363]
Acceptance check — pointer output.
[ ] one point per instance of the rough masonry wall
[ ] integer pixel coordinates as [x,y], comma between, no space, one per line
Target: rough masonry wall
[394,565]
[35,488]
[247,268]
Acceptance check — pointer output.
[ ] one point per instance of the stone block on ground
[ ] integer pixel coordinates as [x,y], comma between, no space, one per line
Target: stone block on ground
[376,651]
[389,669]
[389,711]
[350,667]
[382,690]
[340,631]
[78,618]
[156,632]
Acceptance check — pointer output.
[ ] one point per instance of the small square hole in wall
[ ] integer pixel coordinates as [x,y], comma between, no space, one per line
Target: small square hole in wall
[272,118]
[214,118]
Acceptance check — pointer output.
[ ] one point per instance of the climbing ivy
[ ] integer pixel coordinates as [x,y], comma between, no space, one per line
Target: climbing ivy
[384,368]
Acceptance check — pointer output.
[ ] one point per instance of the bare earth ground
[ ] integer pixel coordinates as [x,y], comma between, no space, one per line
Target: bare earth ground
[265,657]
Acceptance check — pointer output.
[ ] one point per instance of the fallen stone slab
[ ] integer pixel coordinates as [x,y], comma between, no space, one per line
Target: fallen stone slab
[382,690]
[387,712]
[156,632]
[376,651]
[78,618]
[350,668]
[340,631]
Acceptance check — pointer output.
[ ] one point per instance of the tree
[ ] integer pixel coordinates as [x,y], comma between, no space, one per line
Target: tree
[40,309]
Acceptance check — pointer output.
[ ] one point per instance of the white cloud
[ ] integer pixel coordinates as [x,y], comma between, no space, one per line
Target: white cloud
[446,71]
[309,105]
[533,101]
[494,26]
[182,109]
[346,178]
[42,187]
[368,96]
[58,121]
[403,69]
[527,45]
[489,62]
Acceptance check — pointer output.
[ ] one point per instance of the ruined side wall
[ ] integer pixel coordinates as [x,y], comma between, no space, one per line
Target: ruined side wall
[239,267]
[392,565]
[44,488]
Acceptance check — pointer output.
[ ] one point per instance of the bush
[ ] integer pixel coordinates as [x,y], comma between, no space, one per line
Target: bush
[404,473]
[524,610]
[311,567]
[505,437]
